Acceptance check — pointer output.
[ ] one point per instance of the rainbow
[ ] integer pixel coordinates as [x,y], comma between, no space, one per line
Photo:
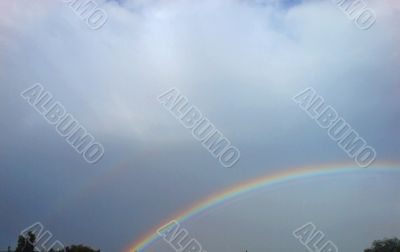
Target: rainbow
[252,185]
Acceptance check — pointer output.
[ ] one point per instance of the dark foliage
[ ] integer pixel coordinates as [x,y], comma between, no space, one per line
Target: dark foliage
[386,245]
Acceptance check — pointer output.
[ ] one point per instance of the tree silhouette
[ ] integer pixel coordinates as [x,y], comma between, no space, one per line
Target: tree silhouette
[80,248]
[26,243]
[385,245]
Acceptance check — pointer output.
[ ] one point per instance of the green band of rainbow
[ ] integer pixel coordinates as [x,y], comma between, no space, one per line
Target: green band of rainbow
[268,180]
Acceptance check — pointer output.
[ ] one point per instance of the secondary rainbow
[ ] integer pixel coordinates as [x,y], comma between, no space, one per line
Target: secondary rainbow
[268,180]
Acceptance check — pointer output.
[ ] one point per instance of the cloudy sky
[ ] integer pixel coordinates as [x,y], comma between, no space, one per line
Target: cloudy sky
[240,62]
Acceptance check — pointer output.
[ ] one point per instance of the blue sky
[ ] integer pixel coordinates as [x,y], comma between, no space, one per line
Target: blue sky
[240,64]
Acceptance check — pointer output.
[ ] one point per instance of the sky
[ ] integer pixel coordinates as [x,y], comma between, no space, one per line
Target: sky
[239,62]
